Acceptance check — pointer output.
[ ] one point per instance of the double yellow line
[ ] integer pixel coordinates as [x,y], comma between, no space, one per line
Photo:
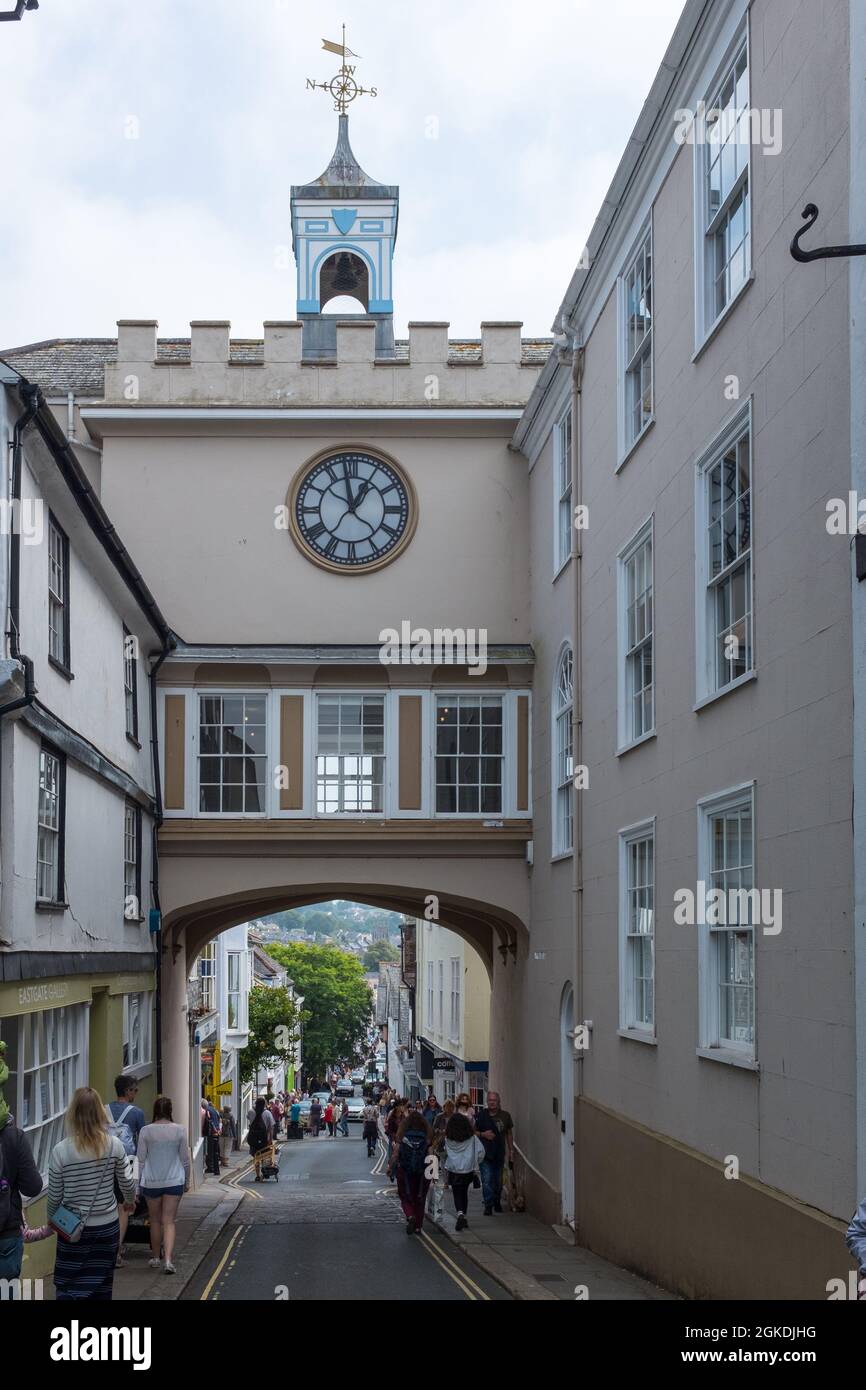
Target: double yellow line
[464,1282]
[239,1236]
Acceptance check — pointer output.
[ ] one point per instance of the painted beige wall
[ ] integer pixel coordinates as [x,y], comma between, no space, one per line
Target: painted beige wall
[207,542]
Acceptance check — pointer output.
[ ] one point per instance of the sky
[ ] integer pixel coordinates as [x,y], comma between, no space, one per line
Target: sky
[151,145]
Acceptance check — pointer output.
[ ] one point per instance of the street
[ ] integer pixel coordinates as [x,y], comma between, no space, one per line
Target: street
[331,1228]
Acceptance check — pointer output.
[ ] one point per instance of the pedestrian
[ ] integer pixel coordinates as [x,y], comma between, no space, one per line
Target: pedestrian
[315,1117]
[260,1136]
[294,1119]
[163,1156]
[82,1208]
[495,1128]
[409,1160]
[129,1120]
[463,1153]
[436,1196]
[465,1107]
[211,1130]
[370,1131]
[431,1110]
[328,1116]
[19,1177]
[392,1124]
[228,1134]
[344,1119]
[277,1114]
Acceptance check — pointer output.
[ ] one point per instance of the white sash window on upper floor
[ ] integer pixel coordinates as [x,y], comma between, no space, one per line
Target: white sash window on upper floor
[723,240]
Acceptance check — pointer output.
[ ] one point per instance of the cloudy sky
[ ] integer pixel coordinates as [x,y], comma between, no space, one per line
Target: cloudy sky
[150,147]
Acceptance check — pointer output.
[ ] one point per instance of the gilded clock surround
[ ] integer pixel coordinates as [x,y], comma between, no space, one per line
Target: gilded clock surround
[334,451]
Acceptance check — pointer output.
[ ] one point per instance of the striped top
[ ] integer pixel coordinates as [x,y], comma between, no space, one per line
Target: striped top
[76,1179]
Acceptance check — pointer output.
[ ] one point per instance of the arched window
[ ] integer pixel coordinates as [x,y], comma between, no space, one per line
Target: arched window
[563,755]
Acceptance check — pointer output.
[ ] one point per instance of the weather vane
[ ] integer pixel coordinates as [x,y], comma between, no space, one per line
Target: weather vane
[343,88]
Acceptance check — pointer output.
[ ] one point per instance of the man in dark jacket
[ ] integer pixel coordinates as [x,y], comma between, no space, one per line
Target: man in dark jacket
[495,1128]
[19,1177]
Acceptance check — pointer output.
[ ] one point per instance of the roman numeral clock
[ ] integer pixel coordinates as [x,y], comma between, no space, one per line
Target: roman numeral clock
[352,510]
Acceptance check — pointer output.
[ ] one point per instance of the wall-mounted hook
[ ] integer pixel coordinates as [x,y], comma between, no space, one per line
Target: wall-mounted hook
[810,212]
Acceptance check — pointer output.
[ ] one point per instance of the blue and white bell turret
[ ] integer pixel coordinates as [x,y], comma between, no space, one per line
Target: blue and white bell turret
[344,226]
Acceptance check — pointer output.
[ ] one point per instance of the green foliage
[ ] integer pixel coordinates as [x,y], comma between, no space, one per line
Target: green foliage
[338,1006]
[380,951]
[274,1030]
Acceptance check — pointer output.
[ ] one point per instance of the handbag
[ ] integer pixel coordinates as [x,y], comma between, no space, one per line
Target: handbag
[67,1224]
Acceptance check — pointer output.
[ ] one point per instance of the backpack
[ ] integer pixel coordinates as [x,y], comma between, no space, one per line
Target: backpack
[257,1136]
[120,1130]
[413,1152]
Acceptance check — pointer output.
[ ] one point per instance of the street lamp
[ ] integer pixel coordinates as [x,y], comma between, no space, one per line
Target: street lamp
[20,7]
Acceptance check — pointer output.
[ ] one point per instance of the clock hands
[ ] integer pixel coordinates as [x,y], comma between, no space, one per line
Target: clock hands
[352,505]
[362,492]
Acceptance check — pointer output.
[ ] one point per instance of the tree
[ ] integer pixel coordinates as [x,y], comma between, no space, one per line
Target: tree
[274,1031]
[338,1005]
[380,951]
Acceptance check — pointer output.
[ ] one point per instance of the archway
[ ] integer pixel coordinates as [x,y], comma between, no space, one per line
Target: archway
[344,273]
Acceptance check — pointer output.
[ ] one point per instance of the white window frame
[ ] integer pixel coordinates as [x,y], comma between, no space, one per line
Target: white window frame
[627,441]
[706,688]
[58,594]
[430,992]
[51,826]
[43,1115]
[130,685]
[711,1044]
[441,983]
[387,770]
[456,972]
[563,491]
[507,761]
[143,1003]
[206,970]
[240,1024]
[132,841]
[706,226]
[200,694]
[627,737]
[629,1025]
[562,758]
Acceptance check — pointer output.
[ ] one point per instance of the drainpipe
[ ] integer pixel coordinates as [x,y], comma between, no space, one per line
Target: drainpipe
[577,363]
[30,395]
[168,647]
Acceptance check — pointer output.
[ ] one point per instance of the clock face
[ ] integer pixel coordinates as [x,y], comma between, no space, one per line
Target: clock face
[352,510]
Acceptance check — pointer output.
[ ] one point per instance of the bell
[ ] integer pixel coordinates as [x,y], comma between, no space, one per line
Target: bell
[346,277]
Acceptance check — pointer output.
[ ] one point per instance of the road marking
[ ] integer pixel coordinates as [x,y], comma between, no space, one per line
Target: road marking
[463,1275]
[219,1269]
[434,1254]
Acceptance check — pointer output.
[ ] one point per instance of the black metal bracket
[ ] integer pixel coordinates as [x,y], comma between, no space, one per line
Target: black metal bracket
[822,253]
[20,7]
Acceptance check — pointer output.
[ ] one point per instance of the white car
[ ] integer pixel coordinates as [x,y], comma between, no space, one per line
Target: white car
[356,1107]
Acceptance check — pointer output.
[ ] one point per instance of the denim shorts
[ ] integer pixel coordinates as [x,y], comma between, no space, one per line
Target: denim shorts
[163,1191]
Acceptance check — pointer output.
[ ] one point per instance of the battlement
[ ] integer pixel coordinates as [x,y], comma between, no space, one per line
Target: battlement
[210,367]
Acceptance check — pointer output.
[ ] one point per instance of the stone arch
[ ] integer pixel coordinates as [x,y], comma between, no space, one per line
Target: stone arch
[345,270]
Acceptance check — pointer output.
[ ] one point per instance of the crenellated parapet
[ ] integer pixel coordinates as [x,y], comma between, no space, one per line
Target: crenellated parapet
[428,368]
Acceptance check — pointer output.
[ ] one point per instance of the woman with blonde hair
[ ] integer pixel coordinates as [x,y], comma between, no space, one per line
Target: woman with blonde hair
[82,1207]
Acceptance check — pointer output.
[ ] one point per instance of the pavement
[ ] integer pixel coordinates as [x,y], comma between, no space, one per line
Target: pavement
[202,1216]
[535,1262]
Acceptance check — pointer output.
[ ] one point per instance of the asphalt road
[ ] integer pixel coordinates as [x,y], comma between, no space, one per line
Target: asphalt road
[331,1228]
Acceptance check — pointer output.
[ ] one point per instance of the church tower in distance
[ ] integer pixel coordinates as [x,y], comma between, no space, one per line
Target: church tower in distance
[344,226]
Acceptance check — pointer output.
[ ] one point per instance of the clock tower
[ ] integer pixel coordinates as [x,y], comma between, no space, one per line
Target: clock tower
[344,226]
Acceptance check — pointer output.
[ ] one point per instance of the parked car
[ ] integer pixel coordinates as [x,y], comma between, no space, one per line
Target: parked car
[356,1106]
[345,1087]
[357,1077]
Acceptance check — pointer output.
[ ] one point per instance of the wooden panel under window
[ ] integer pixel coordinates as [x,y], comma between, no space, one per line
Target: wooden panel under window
[409,798]
[523,752]
[292,751]
[175,752]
